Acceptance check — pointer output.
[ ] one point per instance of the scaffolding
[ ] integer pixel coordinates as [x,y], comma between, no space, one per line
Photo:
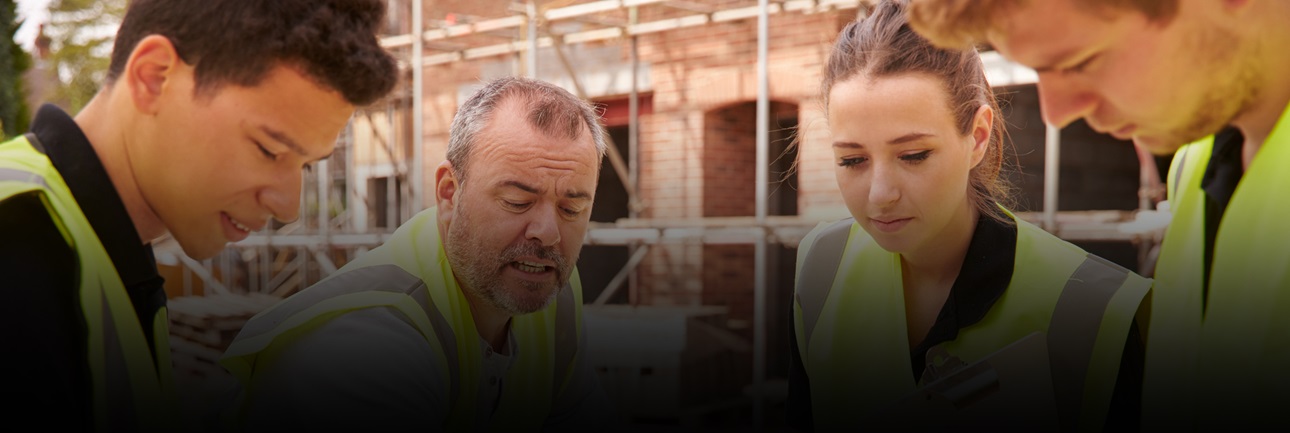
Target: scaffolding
[375,179]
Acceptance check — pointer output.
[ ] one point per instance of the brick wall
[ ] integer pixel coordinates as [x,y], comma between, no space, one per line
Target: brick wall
[697,153]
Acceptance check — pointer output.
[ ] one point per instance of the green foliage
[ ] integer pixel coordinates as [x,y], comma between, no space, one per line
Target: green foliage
[13,62]
[82,32]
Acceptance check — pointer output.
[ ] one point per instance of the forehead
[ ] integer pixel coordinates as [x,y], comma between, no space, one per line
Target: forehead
[289,102]
[899,102]
[510,145]
[1040,33]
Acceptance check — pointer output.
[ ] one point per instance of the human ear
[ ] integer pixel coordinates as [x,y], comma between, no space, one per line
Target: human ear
[446,185]
[152,70]
[982,128]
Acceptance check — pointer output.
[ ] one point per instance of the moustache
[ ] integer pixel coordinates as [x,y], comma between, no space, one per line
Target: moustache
[534,249]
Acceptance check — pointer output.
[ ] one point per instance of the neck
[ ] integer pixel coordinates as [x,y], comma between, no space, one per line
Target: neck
[939,264]
[108,136]
[490,322]
[1260,118]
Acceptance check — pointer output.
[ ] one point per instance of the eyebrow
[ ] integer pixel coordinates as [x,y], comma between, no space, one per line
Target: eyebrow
[1046,69]
[283,138]
[1053,63]
[913,136]
[572,194]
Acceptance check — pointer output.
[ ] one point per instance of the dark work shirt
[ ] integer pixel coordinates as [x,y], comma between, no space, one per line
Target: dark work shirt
[49,372]
[985,274]
[1223,173]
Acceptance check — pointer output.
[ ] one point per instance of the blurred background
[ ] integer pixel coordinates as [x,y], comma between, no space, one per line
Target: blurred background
[688,266]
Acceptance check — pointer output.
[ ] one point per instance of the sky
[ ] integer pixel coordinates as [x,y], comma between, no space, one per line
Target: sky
[34,12]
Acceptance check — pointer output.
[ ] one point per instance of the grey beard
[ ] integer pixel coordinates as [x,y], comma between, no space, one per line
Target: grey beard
[480,272]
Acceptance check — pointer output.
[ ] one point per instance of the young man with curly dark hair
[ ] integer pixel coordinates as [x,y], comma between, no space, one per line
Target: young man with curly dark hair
[210,111]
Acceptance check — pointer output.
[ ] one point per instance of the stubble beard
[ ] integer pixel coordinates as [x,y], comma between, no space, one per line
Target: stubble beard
[1222,104]
[480,271]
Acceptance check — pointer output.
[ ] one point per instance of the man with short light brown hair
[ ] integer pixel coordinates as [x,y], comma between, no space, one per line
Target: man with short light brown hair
[469,318]
[1165,74]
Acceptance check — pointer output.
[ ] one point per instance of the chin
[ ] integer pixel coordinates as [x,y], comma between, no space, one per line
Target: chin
[1157,146]
[526,300]
[201,250]
[891,244]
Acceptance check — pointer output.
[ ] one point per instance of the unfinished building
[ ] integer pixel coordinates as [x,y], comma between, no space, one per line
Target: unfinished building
[688,267]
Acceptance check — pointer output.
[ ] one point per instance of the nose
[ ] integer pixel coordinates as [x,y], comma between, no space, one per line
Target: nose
[282,197]
[884,186]
[544,226]
[1063,100]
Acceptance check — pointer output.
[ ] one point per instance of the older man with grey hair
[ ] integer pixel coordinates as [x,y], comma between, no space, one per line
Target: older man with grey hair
[470,316]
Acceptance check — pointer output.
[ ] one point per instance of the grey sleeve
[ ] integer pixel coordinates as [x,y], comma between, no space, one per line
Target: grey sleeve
[584,405]
[366,370]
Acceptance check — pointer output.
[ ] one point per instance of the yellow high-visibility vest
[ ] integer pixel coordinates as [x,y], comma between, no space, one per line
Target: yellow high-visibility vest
[852,338]
[129,390]
[1223,361]
[546,341]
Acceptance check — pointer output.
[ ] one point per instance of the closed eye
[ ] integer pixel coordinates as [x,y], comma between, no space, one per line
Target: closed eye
[571,211]
[272,156]
[515,205]
[850,162]
[916,157]
[1079,67]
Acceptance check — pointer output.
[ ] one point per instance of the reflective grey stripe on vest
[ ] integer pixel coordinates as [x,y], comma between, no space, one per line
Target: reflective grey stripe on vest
[566,338]
[35,142]
[818,271]
[1073,329]
[1182,163]
[382,278]
[23,175]
[121,413]
[391,278]
[442,330]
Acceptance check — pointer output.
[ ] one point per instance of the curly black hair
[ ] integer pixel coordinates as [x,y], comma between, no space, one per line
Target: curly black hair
[238,42]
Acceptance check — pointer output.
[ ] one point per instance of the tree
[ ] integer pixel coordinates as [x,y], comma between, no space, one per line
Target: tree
[82,32]
[13,62]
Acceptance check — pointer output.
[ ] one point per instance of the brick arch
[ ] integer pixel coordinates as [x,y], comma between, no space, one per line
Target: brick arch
[729,154]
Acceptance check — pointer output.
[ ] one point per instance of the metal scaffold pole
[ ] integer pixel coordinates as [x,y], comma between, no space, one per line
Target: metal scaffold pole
[417,108]
[760,268]
[633,150]
[1052,167]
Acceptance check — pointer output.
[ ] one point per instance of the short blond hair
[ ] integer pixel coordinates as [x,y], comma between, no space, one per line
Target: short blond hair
[956,24]
[966,23]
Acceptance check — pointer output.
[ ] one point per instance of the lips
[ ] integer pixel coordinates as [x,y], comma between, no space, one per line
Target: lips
[236,230]
[239,225]
[530,267]
[531,271]
[533,262]
[889,224]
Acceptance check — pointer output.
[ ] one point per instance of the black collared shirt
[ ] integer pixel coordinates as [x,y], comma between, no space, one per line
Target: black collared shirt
[1222,174]
[985,274]
[41,316]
